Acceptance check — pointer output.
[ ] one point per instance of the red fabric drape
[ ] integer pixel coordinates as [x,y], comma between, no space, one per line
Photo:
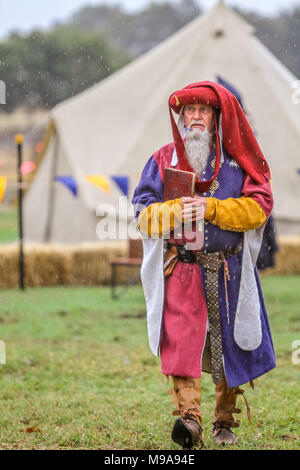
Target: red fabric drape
[238,138]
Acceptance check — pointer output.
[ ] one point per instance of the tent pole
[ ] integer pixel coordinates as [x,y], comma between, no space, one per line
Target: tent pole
[51,198]
[19,141]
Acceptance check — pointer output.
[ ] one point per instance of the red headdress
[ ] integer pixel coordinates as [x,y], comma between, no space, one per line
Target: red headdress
[238,138]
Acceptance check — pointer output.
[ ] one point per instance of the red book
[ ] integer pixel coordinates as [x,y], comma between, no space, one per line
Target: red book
[178,183]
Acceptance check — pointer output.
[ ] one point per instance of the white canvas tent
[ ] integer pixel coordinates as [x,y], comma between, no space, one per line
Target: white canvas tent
[115,126]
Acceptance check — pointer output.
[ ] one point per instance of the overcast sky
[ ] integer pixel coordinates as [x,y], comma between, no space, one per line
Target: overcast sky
[23,15]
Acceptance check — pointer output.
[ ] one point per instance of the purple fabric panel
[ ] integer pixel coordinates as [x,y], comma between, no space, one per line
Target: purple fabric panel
[230,181]
[242,366]
[150,188]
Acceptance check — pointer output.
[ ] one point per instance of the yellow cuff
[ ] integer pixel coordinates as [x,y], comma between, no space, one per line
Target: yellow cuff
[210,212]
[160,218]
[235,214]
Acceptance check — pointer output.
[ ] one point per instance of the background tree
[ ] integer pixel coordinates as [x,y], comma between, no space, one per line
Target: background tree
[43,69]
[137,32]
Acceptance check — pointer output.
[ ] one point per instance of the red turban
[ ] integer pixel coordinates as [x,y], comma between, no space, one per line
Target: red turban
[238,138]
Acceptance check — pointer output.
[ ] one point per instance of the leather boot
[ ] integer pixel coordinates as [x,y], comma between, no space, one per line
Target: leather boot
[187,430]
[224,421]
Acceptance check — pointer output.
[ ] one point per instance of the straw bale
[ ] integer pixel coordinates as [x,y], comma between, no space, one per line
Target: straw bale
[89,263]
[47,266]
[52,265]
[287,259]
[9,266]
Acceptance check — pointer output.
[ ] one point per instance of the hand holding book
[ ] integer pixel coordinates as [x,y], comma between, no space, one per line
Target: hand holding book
[193,208]
[181,184]
[194,211]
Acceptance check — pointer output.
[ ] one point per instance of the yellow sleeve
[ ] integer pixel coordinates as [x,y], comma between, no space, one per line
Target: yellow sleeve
[160,218]
[240,214]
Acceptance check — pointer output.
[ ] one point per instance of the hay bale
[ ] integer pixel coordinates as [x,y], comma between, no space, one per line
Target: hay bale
[287,259]
[46,265]
[9,269]
[53,265]
[91,263]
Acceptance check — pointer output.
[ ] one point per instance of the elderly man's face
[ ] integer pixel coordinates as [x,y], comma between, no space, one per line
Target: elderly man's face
[199,116]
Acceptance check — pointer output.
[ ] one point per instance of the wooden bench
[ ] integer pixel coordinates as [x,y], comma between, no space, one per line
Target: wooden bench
[134,260]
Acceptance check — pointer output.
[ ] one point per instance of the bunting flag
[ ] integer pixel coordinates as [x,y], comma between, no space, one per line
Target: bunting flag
[69,182]
[27,167]
[122,182]
[3,181]
[100,181]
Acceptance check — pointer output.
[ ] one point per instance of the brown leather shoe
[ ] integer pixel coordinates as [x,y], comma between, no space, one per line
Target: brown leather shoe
[223,434]
[187,432]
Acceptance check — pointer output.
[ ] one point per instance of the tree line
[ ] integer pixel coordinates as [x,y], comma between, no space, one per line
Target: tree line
[41,68]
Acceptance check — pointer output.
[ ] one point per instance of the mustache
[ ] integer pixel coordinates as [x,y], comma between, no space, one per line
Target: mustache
[197,123]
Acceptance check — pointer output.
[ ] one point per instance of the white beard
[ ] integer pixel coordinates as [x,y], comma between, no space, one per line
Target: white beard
[197,146]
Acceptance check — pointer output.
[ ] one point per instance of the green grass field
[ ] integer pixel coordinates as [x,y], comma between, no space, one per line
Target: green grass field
[80,375]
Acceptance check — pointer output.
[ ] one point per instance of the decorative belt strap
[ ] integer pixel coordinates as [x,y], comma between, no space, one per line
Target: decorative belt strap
[216,259]
[212,262]
[189,256]
[212,294]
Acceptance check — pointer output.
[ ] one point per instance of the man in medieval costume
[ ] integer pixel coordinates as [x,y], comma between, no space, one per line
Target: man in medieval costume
[205,307]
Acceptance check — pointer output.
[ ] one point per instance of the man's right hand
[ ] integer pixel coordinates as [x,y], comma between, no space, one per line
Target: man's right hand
[193,209]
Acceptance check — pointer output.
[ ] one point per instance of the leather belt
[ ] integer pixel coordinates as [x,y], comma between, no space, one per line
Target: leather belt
[206,259]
